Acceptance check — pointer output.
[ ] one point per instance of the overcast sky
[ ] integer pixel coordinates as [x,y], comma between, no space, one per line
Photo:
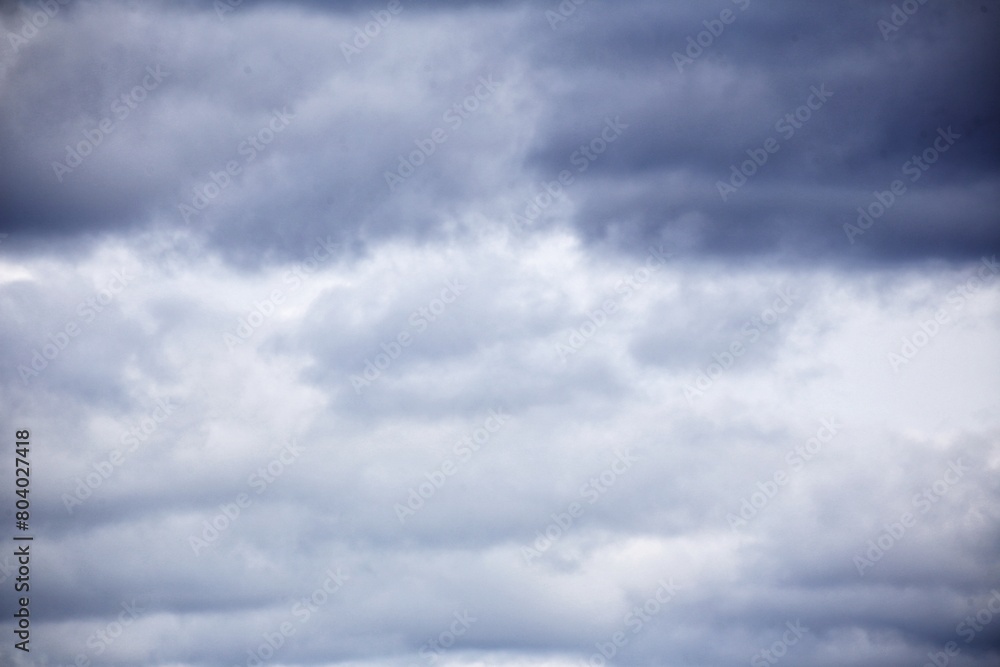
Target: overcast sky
[444,333]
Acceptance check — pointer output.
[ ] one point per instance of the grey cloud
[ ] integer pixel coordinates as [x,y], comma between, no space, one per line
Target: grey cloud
[890,97]
[501,344]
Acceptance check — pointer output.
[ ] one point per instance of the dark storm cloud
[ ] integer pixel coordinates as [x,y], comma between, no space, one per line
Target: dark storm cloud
[889,99]
[350,122]
[213,108]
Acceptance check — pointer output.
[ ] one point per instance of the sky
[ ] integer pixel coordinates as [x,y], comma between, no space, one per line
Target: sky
[496,333]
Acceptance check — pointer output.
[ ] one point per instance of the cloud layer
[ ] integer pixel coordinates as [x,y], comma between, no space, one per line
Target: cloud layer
[491,333]
[697,105]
